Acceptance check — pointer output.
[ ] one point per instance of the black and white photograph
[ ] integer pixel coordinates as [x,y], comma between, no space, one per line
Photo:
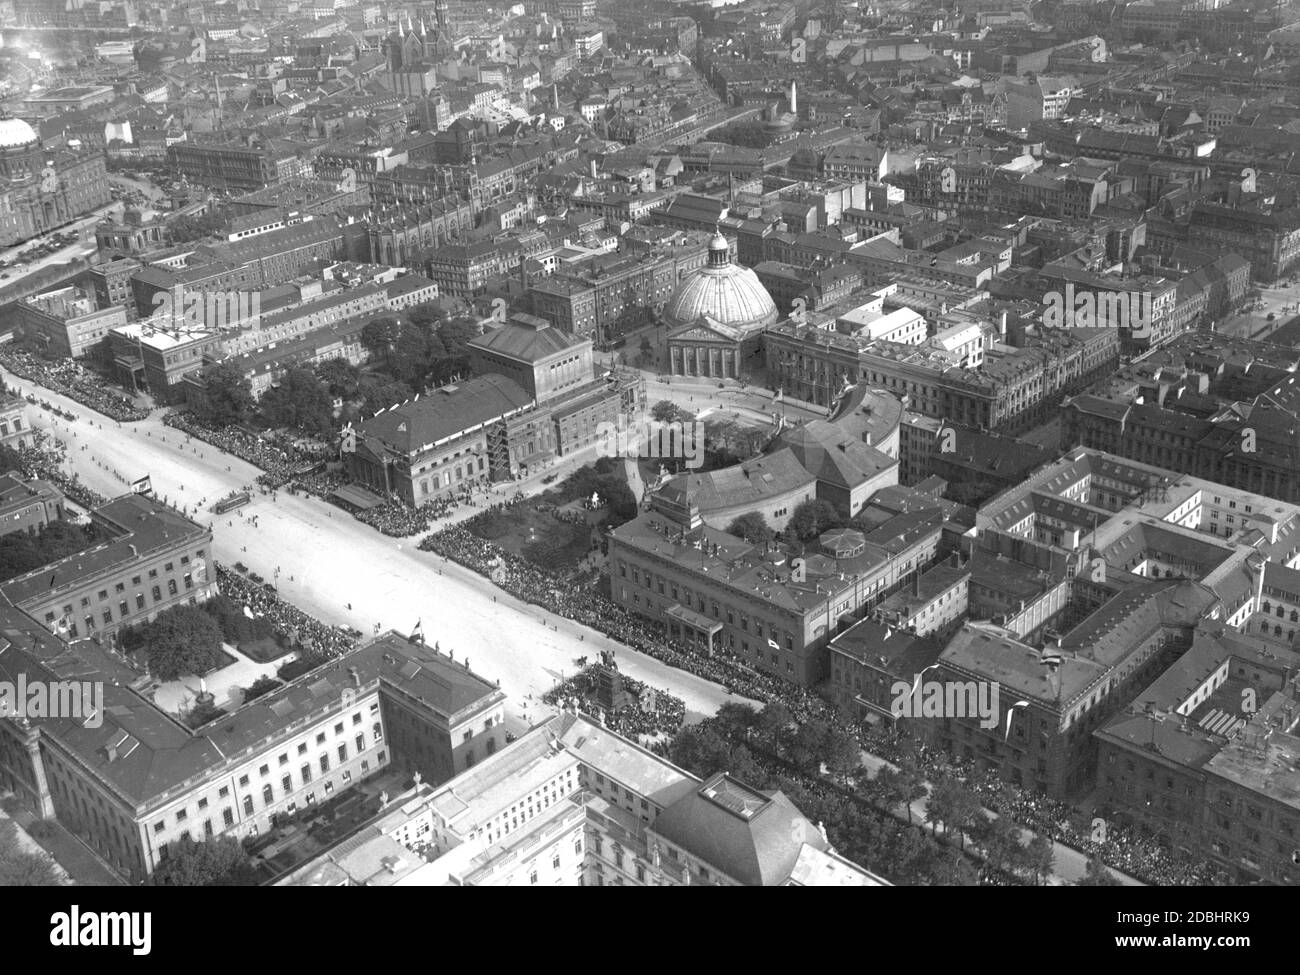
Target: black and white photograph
[641,443]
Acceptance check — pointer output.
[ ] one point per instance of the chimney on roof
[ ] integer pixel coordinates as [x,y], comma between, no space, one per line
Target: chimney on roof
[355,675]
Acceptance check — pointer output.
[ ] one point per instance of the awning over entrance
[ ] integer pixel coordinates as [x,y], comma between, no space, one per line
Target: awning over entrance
[691,627]
[358,496]
[696,621]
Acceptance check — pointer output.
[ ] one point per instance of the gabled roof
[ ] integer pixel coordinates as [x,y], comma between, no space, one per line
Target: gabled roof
[445,413]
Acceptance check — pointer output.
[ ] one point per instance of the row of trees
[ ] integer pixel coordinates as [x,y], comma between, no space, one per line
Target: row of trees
[766,750]
[406,356]
[726,440]
[745,742]
[23,551]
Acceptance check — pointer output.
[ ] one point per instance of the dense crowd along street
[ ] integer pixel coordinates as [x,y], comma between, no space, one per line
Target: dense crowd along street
[646,444]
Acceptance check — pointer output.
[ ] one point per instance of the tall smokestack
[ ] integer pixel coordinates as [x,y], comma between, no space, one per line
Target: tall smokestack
[593,168]
[794,104]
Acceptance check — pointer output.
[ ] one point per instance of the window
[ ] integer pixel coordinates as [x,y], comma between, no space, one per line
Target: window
[248,805]
[379,731]
[320,739]
[287,783]
[268,794]
[243,780]
[264,770]
[228,817]
[324,763]
[356,719]
[305,772]
[302,748]
[284,759]
[203,803]
[361,743]
[343,753]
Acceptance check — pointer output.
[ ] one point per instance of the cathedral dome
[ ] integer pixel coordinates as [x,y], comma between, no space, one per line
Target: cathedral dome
[15,133]
[727,293]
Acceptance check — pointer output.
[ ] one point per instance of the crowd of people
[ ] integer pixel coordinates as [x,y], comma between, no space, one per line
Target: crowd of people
[41,462]
[72,379]
[578,597]
[1123,848]
[400,520]
[280,457]
[647,713]
[287,619]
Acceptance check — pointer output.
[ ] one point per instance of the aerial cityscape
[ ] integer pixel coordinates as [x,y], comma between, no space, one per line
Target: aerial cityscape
[610,443]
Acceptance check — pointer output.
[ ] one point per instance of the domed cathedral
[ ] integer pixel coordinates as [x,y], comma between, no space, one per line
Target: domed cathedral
[413,52]
[42,189]
[716,316]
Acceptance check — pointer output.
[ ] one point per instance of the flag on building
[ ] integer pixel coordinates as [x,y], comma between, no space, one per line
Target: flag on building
[417,634]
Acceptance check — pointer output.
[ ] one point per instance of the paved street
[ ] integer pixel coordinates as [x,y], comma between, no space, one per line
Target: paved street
[335,560]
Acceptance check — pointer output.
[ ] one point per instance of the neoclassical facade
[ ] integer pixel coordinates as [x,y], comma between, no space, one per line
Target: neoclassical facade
[716,316]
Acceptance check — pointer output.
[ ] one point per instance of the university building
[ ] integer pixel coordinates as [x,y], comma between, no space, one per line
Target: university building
[154,558]
[137,781]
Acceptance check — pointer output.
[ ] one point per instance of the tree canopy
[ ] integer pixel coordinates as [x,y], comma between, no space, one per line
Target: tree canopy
[812,517]
[20,867]
[300,401]
[752,527]
[218,862]
[183,640]
[228,398]
[24,551]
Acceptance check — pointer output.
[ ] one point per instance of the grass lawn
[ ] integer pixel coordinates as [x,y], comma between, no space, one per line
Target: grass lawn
[264,650]
[536,536]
